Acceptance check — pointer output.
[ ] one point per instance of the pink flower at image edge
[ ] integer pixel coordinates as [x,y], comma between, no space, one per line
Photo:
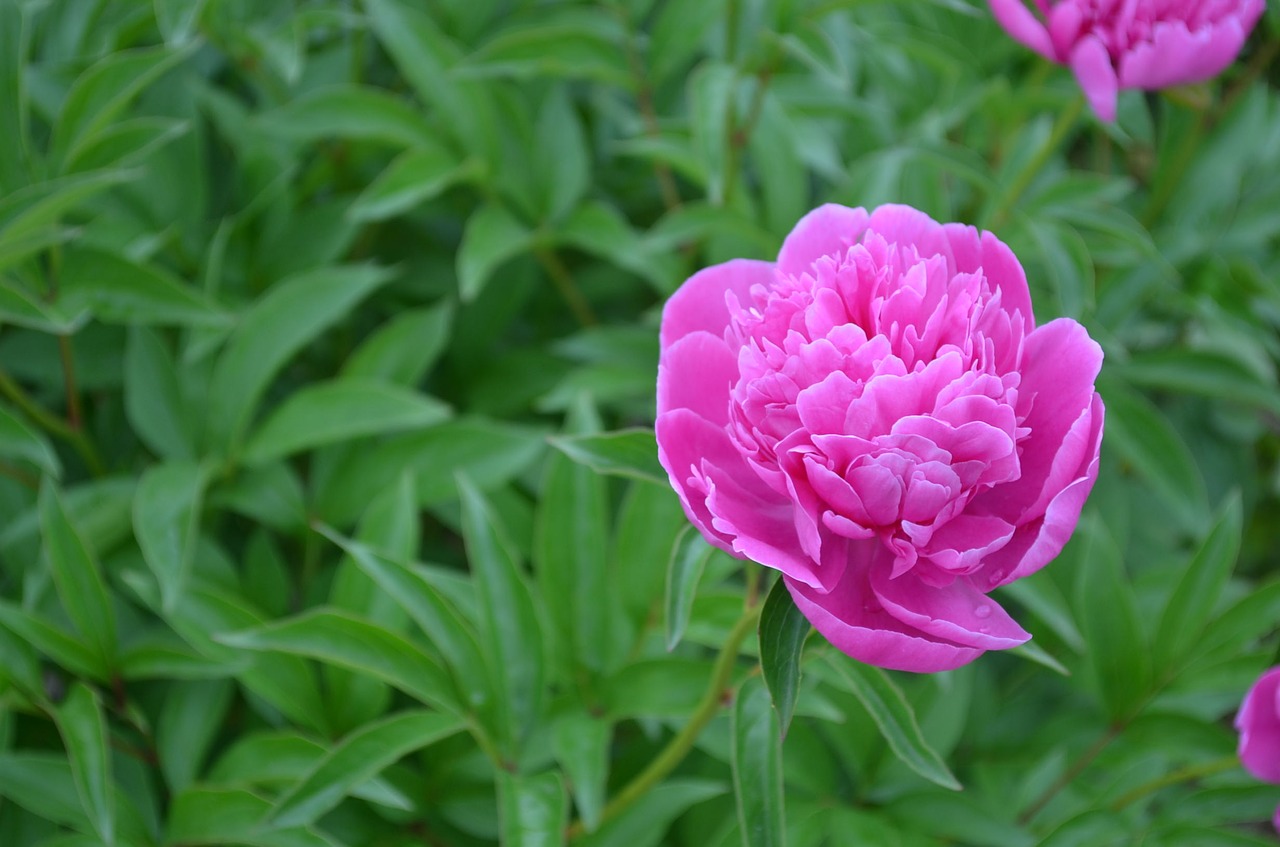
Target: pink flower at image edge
[1258,723]
[1115,44]
[877,416]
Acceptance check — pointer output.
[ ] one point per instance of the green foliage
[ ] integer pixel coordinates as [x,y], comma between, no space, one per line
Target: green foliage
[331,506]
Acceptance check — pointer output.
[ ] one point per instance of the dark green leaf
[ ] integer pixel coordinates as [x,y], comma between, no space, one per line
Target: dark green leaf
[492,237]
[350,111]
[84,732]
[783,630]
[77,576]
[581,744]
[340,410]
[119,290]
[189,723]
[18,441]
[533,810]
[153,398]
[166,522]
[757,767]
[629,452]
[684,572]
[403,349]
[888,707]
[416,176]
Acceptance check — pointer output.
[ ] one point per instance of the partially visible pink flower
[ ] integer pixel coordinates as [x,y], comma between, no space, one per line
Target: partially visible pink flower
[1258,722]
[877,416]
[1114,44]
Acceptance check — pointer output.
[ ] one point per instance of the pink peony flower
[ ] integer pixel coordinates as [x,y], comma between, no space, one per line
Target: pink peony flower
[1114,44]
[1258,722]
[877,416]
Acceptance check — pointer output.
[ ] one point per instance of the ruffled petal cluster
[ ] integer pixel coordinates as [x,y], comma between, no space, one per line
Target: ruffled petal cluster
[877,416]
[1115,44]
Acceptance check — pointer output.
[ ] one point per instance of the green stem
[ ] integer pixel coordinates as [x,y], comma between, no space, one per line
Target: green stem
[1169,182]
[52,423]
[1186,774]
[1066,121]
[563,280]
[679,746]
[1069,776]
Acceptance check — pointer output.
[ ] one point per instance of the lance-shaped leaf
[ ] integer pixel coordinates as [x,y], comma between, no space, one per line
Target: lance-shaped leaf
[783,630]
[757,767]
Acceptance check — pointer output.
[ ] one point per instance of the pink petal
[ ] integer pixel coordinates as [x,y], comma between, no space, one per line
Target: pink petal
[1020,23]
[763,528]
[1059,365]
[684,439]
[958,613]
[828,230]
[699,304]
[984,252]
[1175,56]
[1258,722]
[1091,64]
[1036,543]
[905,226]
[697,373]
[852,620]
[966,541]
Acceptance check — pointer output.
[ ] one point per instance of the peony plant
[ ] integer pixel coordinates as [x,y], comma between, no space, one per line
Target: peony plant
[877,416]
[1116,44]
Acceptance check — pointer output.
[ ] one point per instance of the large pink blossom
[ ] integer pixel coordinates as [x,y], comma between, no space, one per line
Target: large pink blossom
[877,416]
[1258,722]
[1115,44]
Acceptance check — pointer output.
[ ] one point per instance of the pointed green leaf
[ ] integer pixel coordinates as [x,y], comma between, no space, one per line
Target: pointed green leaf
[532,808]
[403,349]
[77,576]
[581,744]
[888,707]
[153,399]
[166,522]
[645,822]
[350,111]
[18,441]
[347,641]
[64,650]
[189,723]
[492,237]
[511,635]
[358,757]
[783,630]
[413,178]
[684,572]
[757,767]
[628,452]
[84,732]
[119,290]
[340,410]
[571,551]
[1192,603]
[279,324]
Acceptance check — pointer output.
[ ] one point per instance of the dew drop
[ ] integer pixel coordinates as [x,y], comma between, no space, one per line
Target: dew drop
[982,611]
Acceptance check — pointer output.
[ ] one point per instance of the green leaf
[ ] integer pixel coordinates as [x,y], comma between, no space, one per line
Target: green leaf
[44,784]
[1202,372]
[757,767]
[581,745]
[18,248]
[153,399]
[118,290]
[413,589]
[1192,602]
[575,49]
[1110,621]
[356,758]
[279,324]
[178,20]
[20,307]
[684,572]
[68,652]
[893,715]
[77,576]
[350,111]
[340,410]
[571,552]
[127,143]
[532,808]
[18,441]
[416,176]
[628,452]
[190,721]
[783,630]
[1033,652]
[562,162]
[346,641]
[222,816]
[488,452]
[102,92]
[84,732]
[645,822]
[1141,435]
[403,349]
[492,236]
[510,633]
[166,522]
[39,206]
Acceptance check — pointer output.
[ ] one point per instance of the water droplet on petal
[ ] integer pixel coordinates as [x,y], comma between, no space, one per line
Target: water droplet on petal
[982,610]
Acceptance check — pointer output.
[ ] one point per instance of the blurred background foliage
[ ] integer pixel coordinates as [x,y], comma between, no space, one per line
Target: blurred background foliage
[312,314]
